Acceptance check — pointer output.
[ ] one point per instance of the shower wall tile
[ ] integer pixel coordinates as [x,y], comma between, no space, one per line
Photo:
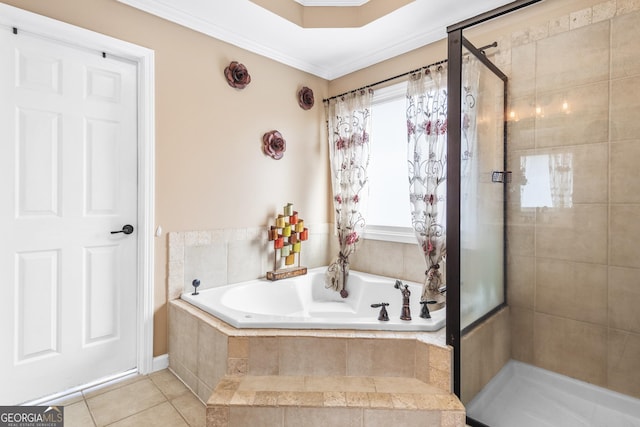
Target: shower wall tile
[623,371]
[502,55]
[520,240]
[625,33]
[585,58]
[539,32]
[521,334]
[572,348]
[624,294]
[559,25]
[520,221]
[580,18]
[625,108]
[573,115]
[627,6]
[603,11]
[624,235]
[521,281]
[624,176]
[573,290]
[521,124]
[573,234]
[590,172]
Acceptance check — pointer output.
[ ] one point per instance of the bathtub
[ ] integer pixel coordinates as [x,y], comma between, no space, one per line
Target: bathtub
[303,302]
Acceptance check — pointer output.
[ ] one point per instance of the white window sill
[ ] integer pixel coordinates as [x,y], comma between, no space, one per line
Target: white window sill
[390,234]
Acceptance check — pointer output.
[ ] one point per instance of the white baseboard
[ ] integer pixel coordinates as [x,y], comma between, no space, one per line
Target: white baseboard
[160,362]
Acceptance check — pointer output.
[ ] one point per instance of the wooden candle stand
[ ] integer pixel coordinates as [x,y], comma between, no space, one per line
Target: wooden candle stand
[287,236]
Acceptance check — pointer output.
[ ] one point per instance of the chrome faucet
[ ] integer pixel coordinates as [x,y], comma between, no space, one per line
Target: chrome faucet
[405,314]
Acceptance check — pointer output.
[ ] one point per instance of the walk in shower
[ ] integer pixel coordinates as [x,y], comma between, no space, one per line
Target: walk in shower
[543,274]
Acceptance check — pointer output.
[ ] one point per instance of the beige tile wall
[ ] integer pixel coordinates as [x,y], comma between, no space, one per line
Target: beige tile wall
[574,272]
[220,257]
[203,349]
[404,261]
[485,350]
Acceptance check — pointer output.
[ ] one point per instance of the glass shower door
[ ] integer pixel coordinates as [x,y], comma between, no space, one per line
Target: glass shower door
[482,201]
[481,191]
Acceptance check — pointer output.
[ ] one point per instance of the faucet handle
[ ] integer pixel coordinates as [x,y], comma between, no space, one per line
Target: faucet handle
[383,316]
[195,284]
[424,313]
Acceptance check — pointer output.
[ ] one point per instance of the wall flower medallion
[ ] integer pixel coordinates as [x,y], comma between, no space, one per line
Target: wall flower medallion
[305,98]
[273,144]
[237,75]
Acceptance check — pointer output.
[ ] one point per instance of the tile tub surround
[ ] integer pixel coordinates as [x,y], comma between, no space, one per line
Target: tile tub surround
[318,401]
[203,351]
[224,256]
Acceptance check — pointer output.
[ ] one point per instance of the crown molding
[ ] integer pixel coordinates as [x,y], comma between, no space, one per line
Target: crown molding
[328,72]
[332,3]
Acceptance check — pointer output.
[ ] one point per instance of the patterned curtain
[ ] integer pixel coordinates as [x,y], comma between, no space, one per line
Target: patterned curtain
[469,168]
[427,161]
[349,127]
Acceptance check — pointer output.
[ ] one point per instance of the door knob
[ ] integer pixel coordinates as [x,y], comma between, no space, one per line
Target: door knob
[126,229]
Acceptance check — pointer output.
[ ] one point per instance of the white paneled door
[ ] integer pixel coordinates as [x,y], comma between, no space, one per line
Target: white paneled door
[68,178]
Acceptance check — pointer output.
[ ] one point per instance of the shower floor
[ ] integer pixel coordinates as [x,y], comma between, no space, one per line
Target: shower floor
[526,396]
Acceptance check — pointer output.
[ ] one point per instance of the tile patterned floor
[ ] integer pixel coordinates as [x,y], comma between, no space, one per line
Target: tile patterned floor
[158,399]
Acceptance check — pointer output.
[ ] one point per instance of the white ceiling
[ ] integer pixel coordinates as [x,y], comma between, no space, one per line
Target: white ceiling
[325,52]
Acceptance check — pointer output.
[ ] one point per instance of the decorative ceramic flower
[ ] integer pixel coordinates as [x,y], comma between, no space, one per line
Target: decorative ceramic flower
[237,75]
[305,98]
[273,144]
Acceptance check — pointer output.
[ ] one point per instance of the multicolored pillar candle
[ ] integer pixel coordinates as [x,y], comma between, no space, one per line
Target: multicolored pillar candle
[299,225]
[288,209]
[273,233]
[285,250]
[278,243]
[290,259]
[280,221]
[296,247]
[304,234]
[293,219]
[286,231]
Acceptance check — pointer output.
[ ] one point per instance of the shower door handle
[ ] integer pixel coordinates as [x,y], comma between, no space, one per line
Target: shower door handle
[501,177]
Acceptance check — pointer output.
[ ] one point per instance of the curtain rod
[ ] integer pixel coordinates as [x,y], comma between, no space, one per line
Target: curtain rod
[443,61]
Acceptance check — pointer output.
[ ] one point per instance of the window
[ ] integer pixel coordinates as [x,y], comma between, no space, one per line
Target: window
[388,215]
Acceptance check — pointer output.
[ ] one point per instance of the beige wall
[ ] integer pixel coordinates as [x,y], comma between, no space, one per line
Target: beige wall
[210,169]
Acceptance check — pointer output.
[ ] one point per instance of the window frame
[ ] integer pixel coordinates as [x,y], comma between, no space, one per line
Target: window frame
[385,232]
